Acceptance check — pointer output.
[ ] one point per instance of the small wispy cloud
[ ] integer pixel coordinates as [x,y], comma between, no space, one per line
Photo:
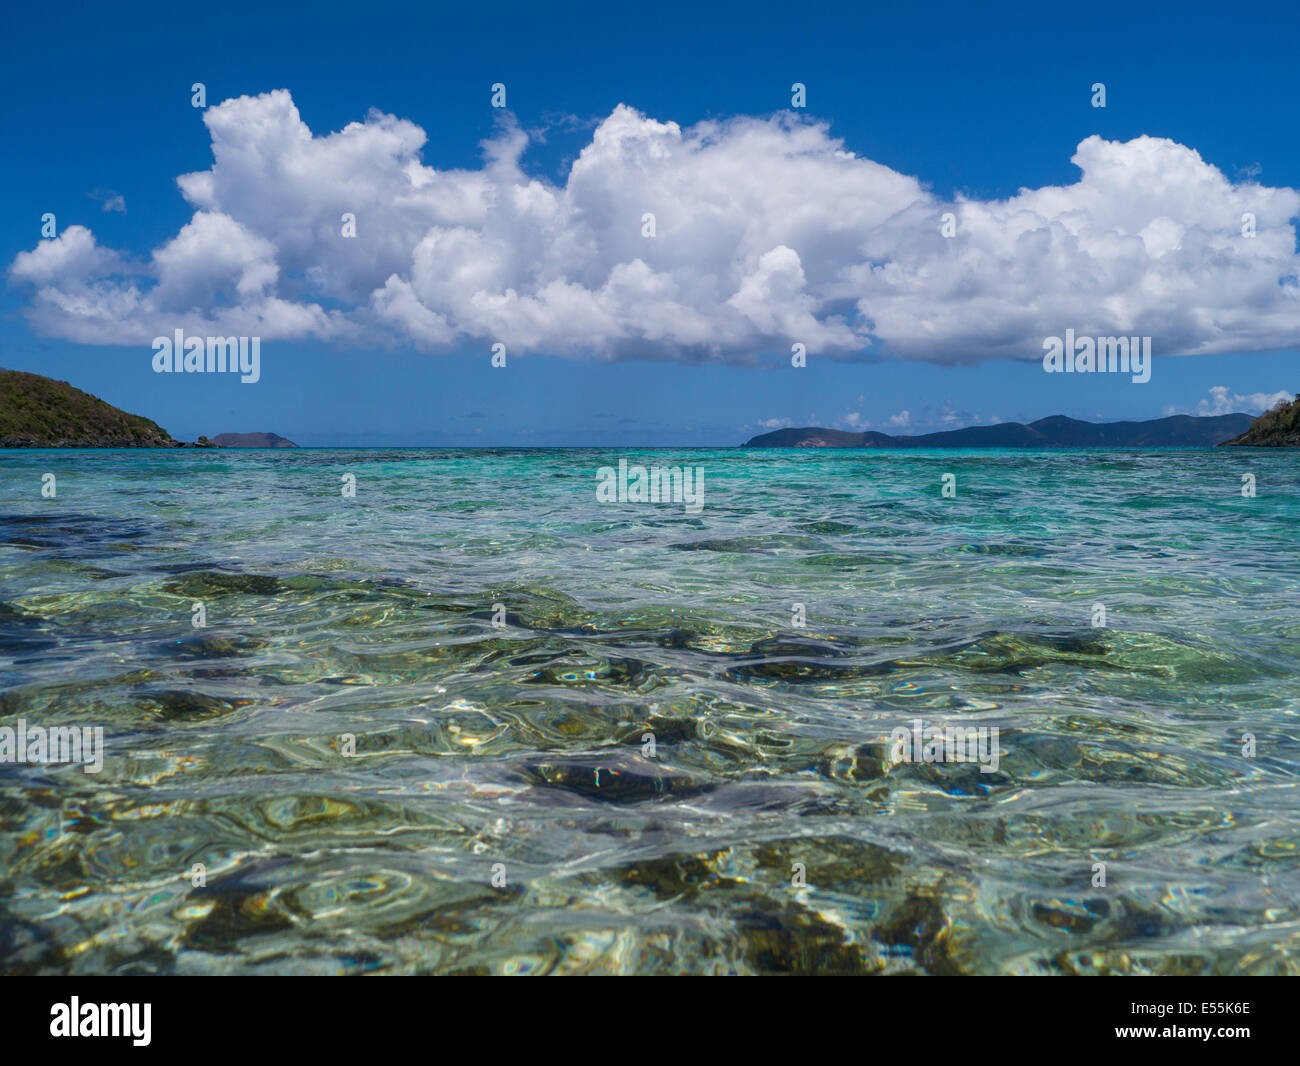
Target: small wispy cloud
[856,421]
[950,416]
[109,200]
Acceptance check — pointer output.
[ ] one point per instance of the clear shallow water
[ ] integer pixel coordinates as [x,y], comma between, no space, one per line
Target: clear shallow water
[524,745]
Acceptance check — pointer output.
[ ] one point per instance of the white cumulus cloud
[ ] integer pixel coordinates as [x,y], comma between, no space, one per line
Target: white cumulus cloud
[767,232]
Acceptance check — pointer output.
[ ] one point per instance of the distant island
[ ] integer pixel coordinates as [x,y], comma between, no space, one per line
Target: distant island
[39,412]
[1176,431]
[252,440]
[1278,428]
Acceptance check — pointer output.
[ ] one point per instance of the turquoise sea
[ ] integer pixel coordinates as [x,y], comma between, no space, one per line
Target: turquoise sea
[473,720]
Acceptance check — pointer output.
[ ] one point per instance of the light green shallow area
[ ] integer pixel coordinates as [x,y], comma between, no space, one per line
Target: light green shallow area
[627,773]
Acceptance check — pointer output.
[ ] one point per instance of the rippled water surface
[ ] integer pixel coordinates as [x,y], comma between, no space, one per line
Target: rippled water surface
[528,744]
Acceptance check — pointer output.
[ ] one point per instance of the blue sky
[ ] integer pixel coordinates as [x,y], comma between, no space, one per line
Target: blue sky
[968,103]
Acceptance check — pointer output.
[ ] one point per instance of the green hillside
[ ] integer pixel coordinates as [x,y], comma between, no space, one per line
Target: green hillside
[1278,428]
[39,412]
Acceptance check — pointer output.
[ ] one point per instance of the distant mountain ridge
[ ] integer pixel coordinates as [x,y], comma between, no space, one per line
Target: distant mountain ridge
[1056,431]
[252,440]
[1278,428]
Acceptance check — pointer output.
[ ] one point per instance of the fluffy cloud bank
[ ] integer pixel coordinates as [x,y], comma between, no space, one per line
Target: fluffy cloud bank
[767,232]
[1224,401]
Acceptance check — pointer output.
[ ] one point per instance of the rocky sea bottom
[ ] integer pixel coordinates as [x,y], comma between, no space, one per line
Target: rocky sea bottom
[472,720]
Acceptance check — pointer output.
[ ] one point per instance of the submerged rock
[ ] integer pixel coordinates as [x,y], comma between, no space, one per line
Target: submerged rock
[183,705]
[615,776]
[238,916]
